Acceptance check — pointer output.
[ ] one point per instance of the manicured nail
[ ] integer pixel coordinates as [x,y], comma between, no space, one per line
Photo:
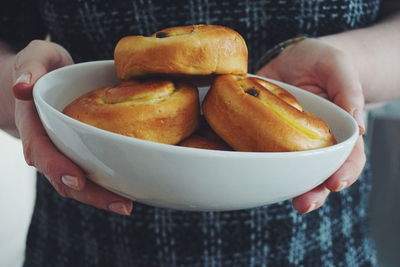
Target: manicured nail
[342,185]
[311,207]
[70,181]
[358,116]
[24,78]
[120,208]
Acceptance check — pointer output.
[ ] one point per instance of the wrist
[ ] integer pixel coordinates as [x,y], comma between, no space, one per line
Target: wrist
[273,52]
[359,53]
[354,48]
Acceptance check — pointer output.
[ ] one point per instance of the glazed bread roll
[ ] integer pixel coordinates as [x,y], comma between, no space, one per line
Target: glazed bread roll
[157,110]
[205,138]
[251,114]
[197,141]
[207,132]
[194,50]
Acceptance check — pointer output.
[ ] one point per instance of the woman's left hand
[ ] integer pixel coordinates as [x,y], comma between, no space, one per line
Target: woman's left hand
[326,71]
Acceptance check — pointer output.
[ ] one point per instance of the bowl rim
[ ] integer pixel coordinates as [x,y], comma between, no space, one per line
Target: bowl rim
[38,100]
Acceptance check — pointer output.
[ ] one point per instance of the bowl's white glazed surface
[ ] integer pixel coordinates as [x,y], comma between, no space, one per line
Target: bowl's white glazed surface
[179,177]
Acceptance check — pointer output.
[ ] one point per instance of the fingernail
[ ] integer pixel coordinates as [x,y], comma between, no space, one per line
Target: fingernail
[311,207]
[24,78]
[358,116]
[342,185]
[120,208]
[70,181]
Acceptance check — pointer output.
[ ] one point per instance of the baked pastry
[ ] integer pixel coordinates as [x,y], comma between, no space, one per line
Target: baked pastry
[205,138]
[207,132]
[251,114]
[197,141]
[157,110]
[193,50]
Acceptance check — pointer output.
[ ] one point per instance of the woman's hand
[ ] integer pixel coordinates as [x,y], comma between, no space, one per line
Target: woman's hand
[321,69]
[35,60]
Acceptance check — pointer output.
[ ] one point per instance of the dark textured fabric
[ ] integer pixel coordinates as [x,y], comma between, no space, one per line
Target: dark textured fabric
[89,29]
[66,233]
[263,23]
[20,22]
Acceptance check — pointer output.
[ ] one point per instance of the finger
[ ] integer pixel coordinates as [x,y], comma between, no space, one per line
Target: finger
[40,152]
[350,170]
[311,200]
[95,196]
[38,58]
[315,90]
[344,87]
[66,177]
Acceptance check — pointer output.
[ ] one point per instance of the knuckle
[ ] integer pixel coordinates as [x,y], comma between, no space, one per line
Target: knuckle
[60,188]
[42,45]
[28,64]
[62,191]
[27,55]
[51,166]
[19,60]
[363,159]
[38,44]
[362,165]
[336,55]
[33,45]
[333,58]
[28,152]
[95,203]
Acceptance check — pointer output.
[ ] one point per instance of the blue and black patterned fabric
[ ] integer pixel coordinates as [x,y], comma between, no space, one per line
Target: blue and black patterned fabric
[66,233]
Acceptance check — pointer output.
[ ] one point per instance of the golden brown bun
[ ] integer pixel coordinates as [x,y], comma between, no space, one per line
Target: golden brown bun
[205,138]
[251,114]
[194,50]
[197,141]
[207,132]
[159,111]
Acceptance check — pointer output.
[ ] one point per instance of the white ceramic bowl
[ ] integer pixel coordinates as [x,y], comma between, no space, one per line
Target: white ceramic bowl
[180,177]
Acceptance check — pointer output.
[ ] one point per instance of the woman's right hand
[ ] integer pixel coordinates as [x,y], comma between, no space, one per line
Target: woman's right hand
[35,60]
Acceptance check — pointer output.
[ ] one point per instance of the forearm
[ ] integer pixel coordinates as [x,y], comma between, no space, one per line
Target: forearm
[375,52]
[7,103]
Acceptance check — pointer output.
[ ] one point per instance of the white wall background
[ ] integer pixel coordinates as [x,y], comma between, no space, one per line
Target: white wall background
[17,195]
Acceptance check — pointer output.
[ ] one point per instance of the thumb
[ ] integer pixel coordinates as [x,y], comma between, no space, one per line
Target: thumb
[344,89]
[32,62]
[269,71]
